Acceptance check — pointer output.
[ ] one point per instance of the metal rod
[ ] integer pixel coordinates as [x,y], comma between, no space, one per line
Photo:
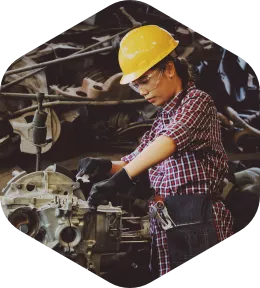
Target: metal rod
[21,79]
[38,156]
[57,61]
[141,241]
[49,97]
[103,41]
[76,103]
[61,97]
[130,218]
[78,52]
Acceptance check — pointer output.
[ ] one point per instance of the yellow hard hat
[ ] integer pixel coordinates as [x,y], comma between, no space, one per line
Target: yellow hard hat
[142,48]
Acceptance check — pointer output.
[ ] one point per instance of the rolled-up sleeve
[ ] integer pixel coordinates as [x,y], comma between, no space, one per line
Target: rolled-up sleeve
[189,122]
[144,142]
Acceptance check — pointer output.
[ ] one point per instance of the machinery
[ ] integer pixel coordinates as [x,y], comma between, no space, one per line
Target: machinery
[51,207]
[78,73]
[79,98]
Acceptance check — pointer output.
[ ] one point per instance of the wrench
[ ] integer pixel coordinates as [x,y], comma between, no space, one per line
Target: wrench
[166,222]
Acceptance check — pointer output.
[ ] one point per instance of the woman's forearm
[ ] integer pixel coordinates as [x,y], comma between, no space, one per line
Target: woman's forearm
[117,166]
[156,152]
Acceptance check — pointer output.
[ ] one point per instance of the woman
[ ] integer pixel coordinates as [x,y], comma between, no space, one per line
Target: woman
[183,150]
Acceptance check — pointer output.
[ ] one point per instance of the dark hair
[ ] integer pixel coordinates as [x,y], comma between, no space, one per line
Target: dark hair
[182,67]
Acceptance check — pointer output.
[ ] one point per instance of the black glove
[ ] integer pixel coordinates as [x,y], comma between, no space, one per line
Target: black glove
[94,167]
[105,190]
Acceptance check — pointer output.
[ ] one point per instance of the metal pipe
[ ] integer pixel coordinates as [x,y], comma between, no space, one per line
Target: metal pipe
[131,218]
[76,103]
[49,97]
[103,41]
[21,79]
[78,52]
[60,60]
[38,156]
[141,241]
[63,97]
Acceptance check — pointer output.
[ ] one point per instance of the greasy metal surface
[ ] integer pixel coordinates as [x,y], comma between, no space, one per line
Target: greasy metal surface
[51,207]
[110,90]
[23,128]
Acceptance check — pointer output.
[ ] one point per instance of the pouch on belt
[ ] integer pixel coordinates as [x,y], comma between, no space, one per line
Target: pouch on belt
[194,231]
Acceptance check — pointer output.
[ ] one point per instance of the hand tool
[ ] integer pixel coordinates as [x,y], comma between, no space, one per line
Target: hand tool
[159,211]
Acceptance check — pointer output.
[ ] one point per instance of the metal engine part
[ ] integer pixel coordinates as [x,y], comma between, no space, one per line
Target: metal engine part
[23,128]
[50,207]
[50,196]
[23,125]
[109,90]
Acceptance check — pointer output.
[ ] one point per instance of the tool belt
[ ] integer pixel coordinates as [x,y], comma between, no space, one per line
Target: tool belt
[193,231]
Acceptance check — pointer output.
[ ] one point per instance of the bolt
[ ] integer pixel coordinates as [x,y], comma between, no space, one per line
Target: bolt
[134,265]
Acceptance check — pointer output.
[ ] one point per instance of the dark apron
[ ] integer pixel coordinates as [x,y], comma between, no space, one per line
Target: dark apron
[195,231]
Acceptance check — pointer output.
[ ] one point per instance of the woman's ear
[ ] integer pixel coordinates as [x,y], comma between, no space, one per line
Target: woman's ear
[170,69]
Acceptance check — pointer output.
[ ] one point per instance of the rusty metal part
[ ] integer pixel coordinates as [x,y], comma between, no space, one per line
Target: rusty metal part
[41,69]
[96,74]
[239,122]
[21,126]
[77,103]
[111,89]
[246,132]
[26,220]
[21,79]
[225,121]
[50,48]
[47,97]
[232,120]
[33,84]
[131,18]
[77,52]
[57,61]
[74,55]
[105,40]
[233,115]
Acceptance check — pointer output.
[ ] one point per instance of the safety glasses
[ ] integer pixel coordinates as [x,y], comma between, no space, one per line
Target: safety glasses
[145,81]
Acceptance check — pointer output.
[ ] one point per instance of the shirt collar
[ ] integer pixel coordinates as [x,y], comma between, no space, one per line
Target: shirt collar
[171,104]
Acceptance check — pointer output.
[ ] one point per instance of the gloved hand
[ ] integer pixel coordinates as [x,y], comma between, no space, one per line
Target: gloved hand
[103,191]
[93,167]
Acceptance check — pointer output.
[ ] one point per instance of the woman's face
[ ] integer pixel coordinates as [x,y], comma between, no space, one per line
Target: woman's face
[157,86]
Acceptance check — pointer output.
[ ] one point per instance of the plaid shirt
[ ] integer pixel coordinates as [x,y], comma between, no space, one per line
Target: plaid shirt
[197,167]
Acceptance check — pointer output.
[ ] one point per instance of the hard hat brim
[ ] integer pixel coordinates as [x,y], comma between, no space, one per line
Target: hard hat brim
[126,79]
